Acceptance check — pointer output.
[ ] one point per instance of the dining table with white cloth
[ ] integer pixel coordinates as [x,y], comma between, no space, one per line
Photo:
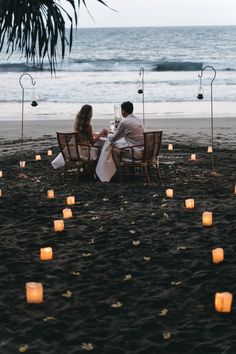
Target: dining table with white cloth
[106,167]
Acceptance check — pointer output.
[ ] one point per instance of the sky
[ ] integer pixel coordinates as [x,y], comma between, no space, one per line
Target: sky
[158,13]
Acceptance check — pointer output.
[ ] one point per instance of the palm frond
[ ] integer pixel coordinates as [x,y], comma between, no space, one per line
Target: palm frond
[37,28]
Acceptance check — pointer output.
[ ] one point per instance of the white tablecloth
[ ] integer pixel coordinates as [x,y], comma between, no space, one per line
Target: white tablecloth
[106,167]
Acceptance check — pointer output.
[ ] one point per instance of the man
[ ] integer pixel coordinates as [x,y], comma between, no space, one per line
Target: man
[131,129]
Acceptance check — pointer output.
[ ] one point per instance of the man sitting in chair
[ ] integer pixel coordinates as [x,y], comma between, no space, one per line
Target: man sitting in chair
[131,129]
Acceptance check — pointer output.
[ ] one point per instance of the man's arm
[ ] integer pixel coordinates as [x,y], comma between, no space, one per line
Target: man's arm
[119,133]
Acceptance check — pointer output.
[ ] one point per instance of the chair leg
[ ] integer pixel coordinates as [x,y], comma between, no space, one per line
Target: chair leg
[121,174]
[146,174]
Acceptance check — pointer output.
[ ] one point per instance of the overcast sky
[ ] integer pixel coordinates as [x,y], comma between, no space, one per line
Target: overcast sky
[159,13]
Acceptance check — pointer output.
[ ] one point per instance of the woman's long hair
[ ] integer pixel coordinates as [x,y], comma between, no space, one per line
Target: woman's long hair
[82,121]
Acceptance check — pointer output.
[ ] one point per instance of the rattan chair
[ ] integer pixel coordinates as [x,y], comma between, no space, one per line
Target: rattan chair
[82,157]
[142,159]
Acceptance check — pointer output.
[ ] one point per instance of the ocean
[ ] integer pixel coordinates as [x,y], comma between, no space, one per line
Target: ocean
[103,68]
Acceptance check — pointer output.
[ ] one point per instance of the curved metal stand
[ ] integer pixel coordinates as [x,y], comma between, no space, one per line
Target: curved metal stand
[141,74]
[23,175]
[212,123]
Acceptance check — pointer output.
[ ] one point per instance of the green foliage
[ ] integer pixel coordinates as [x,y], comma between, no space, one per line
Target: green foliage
[37,28]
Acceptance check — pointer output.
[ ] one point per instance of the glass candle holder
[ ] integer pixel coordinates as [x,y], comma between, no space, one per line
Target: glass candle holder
[34,293]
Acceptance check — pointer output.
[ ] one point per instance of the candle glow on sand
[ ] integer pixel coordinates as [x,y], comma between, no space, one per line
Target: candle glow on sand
[34,293]
[22,164]
[58,225]
[189,203]
[70,200]
[193,157]
[46,254]
[37,157]
[209,149]
[67,213]
[217,255]
[169,193]
[223,302]
[50,194]
[170,147]
[207,218]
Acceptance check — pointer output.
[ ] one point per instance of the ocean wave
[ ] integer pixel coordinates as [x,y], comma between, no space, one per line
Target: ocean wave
[17,67]
[178,66]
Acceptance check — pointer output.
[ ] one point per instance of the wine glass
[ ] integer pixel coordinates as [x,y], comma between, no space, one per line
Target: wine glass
[112,126]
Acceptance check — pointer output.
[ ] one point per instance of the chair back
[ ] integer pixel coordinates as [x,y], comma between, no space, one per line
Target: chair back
[68,143]
[152,145]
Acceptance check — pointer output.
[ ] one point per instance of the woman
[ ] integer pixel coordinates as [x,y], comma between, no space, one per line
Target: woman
[83,126]
[86,136]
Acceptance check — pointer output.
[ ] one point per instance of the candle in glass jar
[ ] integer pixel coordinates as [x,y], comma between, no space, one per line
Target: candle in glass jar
[193,157]
[223,302]
[207,218]
[169,193]
[209,149]
[217,255]
[0,193]
[1,173]
[22,164]
[170,147]
[50,194]
[235,189]
[67,213]
[58,225]
[70,200]
[189,203]
[37,157]
[34,293]
[46,254]
[49,152]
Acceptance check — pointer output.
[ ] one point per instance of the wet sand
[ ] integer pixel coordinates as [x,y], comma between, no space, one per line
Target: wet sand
[132,272]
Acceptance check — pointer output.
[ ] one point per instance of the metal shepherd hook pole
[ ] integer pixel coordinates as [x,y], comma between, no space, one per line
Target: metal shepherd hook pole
[212,125]
[141,90]
[34,103]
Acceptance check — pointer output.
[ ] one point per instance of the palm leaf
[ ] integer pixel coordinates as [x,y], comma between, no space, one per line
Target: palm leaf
[37,28]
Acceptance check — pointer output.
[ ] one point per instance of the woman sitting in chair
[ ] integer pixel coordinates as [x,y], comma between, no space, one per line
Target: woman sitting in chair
[87,147]
[83,126]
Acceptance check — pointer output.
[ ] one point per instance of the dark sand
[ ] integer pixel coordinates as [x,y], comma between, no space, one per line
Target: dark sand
[171,267]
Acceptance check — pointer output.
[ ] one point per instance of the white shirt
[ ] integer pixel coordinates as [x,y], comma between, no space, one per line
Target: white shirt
[131,129]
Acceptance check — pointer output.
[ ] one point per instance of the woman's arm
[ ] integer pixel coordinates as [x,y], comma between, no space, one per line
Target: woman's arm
[93,138]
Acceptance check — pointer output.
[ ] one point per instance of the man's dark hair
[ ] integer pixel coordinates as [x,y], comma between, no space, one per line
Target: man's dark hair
[128,107]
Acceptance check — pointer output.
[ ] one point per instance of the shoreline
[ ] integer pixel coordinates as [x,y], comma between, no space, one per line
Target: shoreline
[175,130]
[11,111]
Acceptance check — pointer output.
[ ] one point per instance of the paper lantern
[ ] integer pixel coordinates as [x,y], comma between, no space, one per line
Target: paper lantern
[37,157]
[58,225]
[70,200]
[189,203]
[50,194]
[34,293]
[1,173]
[170,147]
[223,302]
[49,152]
[217,255]
[193,157]
[22,164]
[207,218]
[46,254]
[209,149]
[67,213]
[169,193]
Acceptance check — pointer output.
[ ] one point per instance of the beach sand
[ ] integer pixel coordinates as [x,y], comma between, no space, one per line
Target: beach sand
[137,264]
